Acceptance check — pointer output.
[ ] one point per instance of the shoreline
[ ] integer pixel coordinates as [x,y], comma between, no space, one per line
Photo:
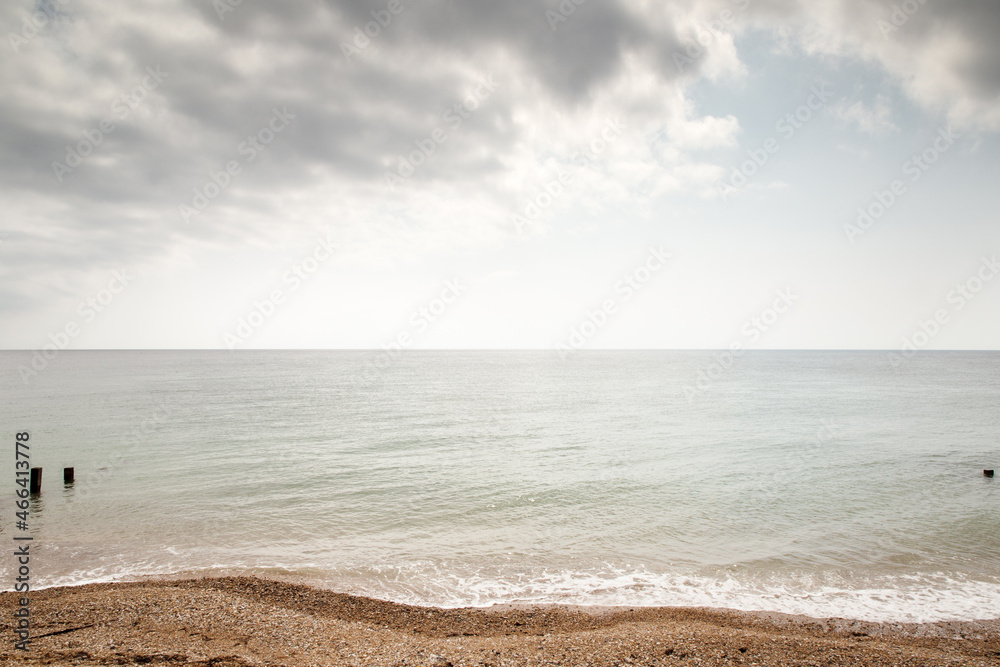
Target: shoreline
[256,621]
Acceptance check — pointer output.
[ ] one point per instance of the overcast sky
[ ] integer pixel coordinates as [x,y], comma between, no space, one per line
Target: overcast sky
[500,174]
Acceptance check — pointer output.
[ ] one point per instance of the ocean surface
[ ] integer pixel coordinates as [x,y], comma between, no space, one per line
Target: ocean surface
[822,483]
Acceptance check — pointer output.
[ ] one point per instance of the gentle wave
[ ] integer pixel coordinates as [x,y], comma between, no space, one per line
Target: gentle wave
[924,598]
[821,483]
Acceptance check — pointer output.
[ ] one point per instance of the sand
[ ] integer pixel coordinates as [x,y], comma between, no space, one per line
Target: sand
[247,621]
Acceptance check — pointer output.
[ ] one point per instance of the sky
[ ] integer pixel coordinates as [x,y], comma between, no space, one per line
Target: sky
[426,174]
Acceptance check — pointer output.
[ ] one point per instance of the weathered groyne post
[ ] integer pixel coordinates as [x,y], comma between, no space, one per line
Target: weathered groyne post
[68,476]
[36,480]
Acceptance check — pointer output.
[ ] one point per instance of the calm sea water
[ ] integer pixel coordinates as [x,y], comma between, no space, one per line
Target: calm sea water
[824,483]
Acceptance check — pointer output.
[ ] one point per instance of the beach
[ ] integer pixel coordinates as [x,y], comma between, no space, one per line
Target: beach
[389,333]
[239,621]
[509,509]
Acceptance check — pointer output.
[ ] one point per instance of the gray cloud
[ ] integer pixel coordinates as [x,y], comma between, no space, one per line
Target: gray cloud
[225,76]
[352,118]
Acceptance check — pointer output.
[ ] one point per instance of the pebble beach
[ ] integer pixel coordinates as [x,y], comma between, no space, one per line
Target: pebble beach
[243,621]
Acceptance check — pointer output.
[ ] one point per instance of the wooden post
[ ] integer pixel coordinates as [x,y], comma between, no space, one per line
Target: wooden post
[36,480]
[988,473]
[68,476]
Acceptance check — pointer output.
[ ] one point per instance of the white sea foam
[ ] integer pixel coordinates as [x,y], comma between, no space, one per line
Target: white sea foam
[930,597]
[889,599]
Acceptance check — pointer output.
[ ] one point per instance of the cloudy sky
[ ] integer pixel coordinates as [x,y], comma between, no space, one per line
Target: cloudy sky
[486,174]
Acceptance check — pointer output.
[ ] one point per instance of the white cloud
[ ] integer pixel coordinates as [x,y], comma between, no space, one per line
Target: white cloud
[944,55]
[874,120]
[704,132]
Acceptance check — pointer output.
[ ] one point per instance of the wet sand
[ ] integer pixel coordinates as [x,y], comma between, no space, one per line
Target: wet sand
[246,621]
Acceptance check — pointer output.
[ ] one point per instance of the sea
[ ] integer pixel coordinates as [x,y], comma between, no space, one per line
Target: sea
[826,483]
